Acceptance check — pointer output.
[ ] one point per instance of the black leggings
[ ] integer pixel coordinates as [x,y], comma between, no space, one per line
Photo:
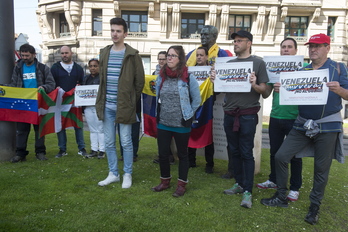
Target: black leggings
[164,138]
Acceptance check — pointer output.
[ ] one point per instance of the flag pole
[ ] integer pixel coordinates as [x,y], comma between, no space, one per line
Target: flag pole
[7,129]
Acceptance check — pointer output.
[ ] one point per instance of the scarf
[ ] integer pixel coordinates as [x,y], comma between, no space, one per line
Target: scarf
[167,72]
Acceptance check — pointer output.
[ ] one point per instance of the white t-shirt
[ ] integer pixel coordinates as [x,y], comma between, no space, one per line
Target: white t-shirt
[67,67]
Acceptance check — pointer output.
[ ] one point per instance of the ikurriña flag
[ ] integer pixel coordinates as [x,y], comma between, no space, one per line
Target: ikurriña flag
[149,106]
[57,111]
[19,104]
[202,131]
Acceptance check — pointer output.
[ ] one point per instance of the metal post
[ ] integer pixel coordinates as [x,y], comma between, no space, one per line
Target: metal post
[7,129]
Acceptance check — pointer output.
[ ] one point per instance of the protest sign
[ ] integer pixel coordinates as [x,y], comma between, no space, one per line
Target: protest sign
[233,77]
[86,95]
[278,64]
[304,87]
[201,73]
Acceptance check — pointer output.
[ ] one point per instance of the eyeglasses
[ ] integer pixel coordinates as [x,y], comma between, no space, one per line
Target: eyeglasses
[239,40]
[311,46]
[172,56]
[161,59]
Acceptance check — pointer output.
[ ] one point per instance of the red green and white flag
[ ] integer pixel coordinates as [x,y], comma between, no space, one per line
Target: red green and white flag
[57,112]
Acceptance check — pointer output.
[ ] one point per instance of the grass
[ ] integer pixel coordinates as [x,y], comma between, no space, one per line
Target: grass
[62,195]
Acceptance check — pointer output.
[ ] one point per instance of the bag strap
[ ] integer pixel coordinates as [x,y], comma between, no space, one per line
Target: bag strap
[338,66]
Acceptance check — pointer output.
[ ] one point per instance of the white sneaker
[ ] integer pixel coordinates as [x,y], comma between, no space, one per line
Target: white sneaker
[110,179]
[293,195]
[267,185]
[127,181]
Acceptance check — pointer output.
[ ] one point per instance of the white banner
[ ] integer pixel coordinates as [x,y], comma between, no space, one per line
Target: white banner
[278,64]
[200,72]
[86,95]
[304,87]
[233,77]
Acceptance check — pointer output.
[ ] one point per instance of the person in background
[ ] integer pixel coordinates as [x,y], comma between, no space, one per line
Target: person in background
[209,36]
[94,124]
[67,75]
[281,121]
[30,73]
[162,60]
[122,80]
[177,97]
[202,60]
[325,136]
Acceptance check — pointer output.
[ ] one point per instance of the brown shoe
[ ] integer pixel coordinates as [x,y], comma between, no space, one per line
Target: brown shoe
[163,185]
[180,189]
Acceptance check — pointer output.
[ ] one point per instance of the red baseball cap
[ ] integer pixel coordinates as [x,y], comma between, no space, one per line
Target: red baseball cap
[319,39]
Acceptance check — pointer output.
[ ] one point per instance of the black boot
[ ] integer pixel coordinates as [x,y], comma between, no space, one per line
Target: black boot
[313,214]
[277,200]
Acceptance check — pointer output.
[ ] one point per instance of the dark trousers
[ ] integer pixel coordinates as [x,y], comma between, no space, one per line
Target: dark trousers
[241,144]
[278,130]
[324,148]
[23,131]
[164,139]
[135,138]
[208,152]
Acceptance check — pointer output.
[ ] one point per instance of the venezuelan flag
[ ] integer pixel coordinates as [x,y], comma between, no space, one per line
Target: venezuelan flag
[202,131]
[149,106]
[18,104]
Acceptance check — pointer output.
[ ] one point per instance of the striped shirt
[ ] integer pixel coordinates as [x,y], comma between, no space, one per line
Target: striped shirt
[113,73]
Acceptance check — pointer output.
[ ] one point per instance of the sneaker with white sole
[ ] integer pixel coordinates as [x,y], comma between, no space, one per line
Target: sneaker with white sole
[61,154]
[246,200]
[236,188]
[110,179]
[293,195]
[127,181]
[267,185]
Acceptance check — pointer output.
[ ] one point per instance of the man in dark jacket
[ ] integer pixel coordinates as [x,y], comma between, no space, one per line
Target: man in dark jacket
[29,73]
[121,84]
[67,75]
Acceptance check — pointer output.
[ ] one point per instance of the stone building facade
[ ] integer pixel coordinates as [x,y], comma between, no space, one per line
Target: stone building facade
[157,24]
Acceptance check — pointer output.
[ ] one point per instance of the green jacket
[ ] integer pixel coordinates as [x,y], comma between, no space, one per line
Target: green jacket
[130,85]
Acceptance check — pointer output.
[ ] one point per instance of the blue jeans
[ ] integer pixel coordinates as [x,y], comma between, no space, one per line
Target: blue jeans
[78,135]
[278,129]
[135,137]
[241,144]
[110,142]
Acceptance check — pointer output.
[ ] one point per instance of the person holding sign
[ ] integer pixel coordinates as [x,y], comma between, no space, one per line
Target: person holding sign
[241,118]
[318,128]
[202,60]
[281,121]
[177,97]
[94,124]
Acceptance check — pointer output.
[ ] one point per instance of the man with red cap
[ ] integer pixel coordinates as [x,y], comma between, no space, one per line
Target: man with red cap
[324,136]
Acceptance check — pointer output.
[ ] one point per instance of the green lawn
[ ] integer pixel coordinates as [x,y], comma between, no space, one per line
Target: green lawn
[63,195]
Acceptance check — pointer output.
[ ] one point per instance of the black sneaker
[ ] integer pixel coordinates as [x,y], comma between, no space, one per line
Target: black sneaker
[228,175]
[61,154]
[17,159]
[83,153]
[41,156]
[276,200]
[92,154]
[101,155]
[313,214]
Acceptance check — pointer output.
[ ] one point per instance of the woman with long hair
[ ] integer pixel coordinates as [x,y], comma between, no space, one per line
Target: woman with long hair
[178,98]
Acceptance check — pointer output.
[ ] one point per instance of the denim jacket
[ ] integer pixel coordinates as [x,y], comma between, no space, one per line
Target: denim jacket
[190,99]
